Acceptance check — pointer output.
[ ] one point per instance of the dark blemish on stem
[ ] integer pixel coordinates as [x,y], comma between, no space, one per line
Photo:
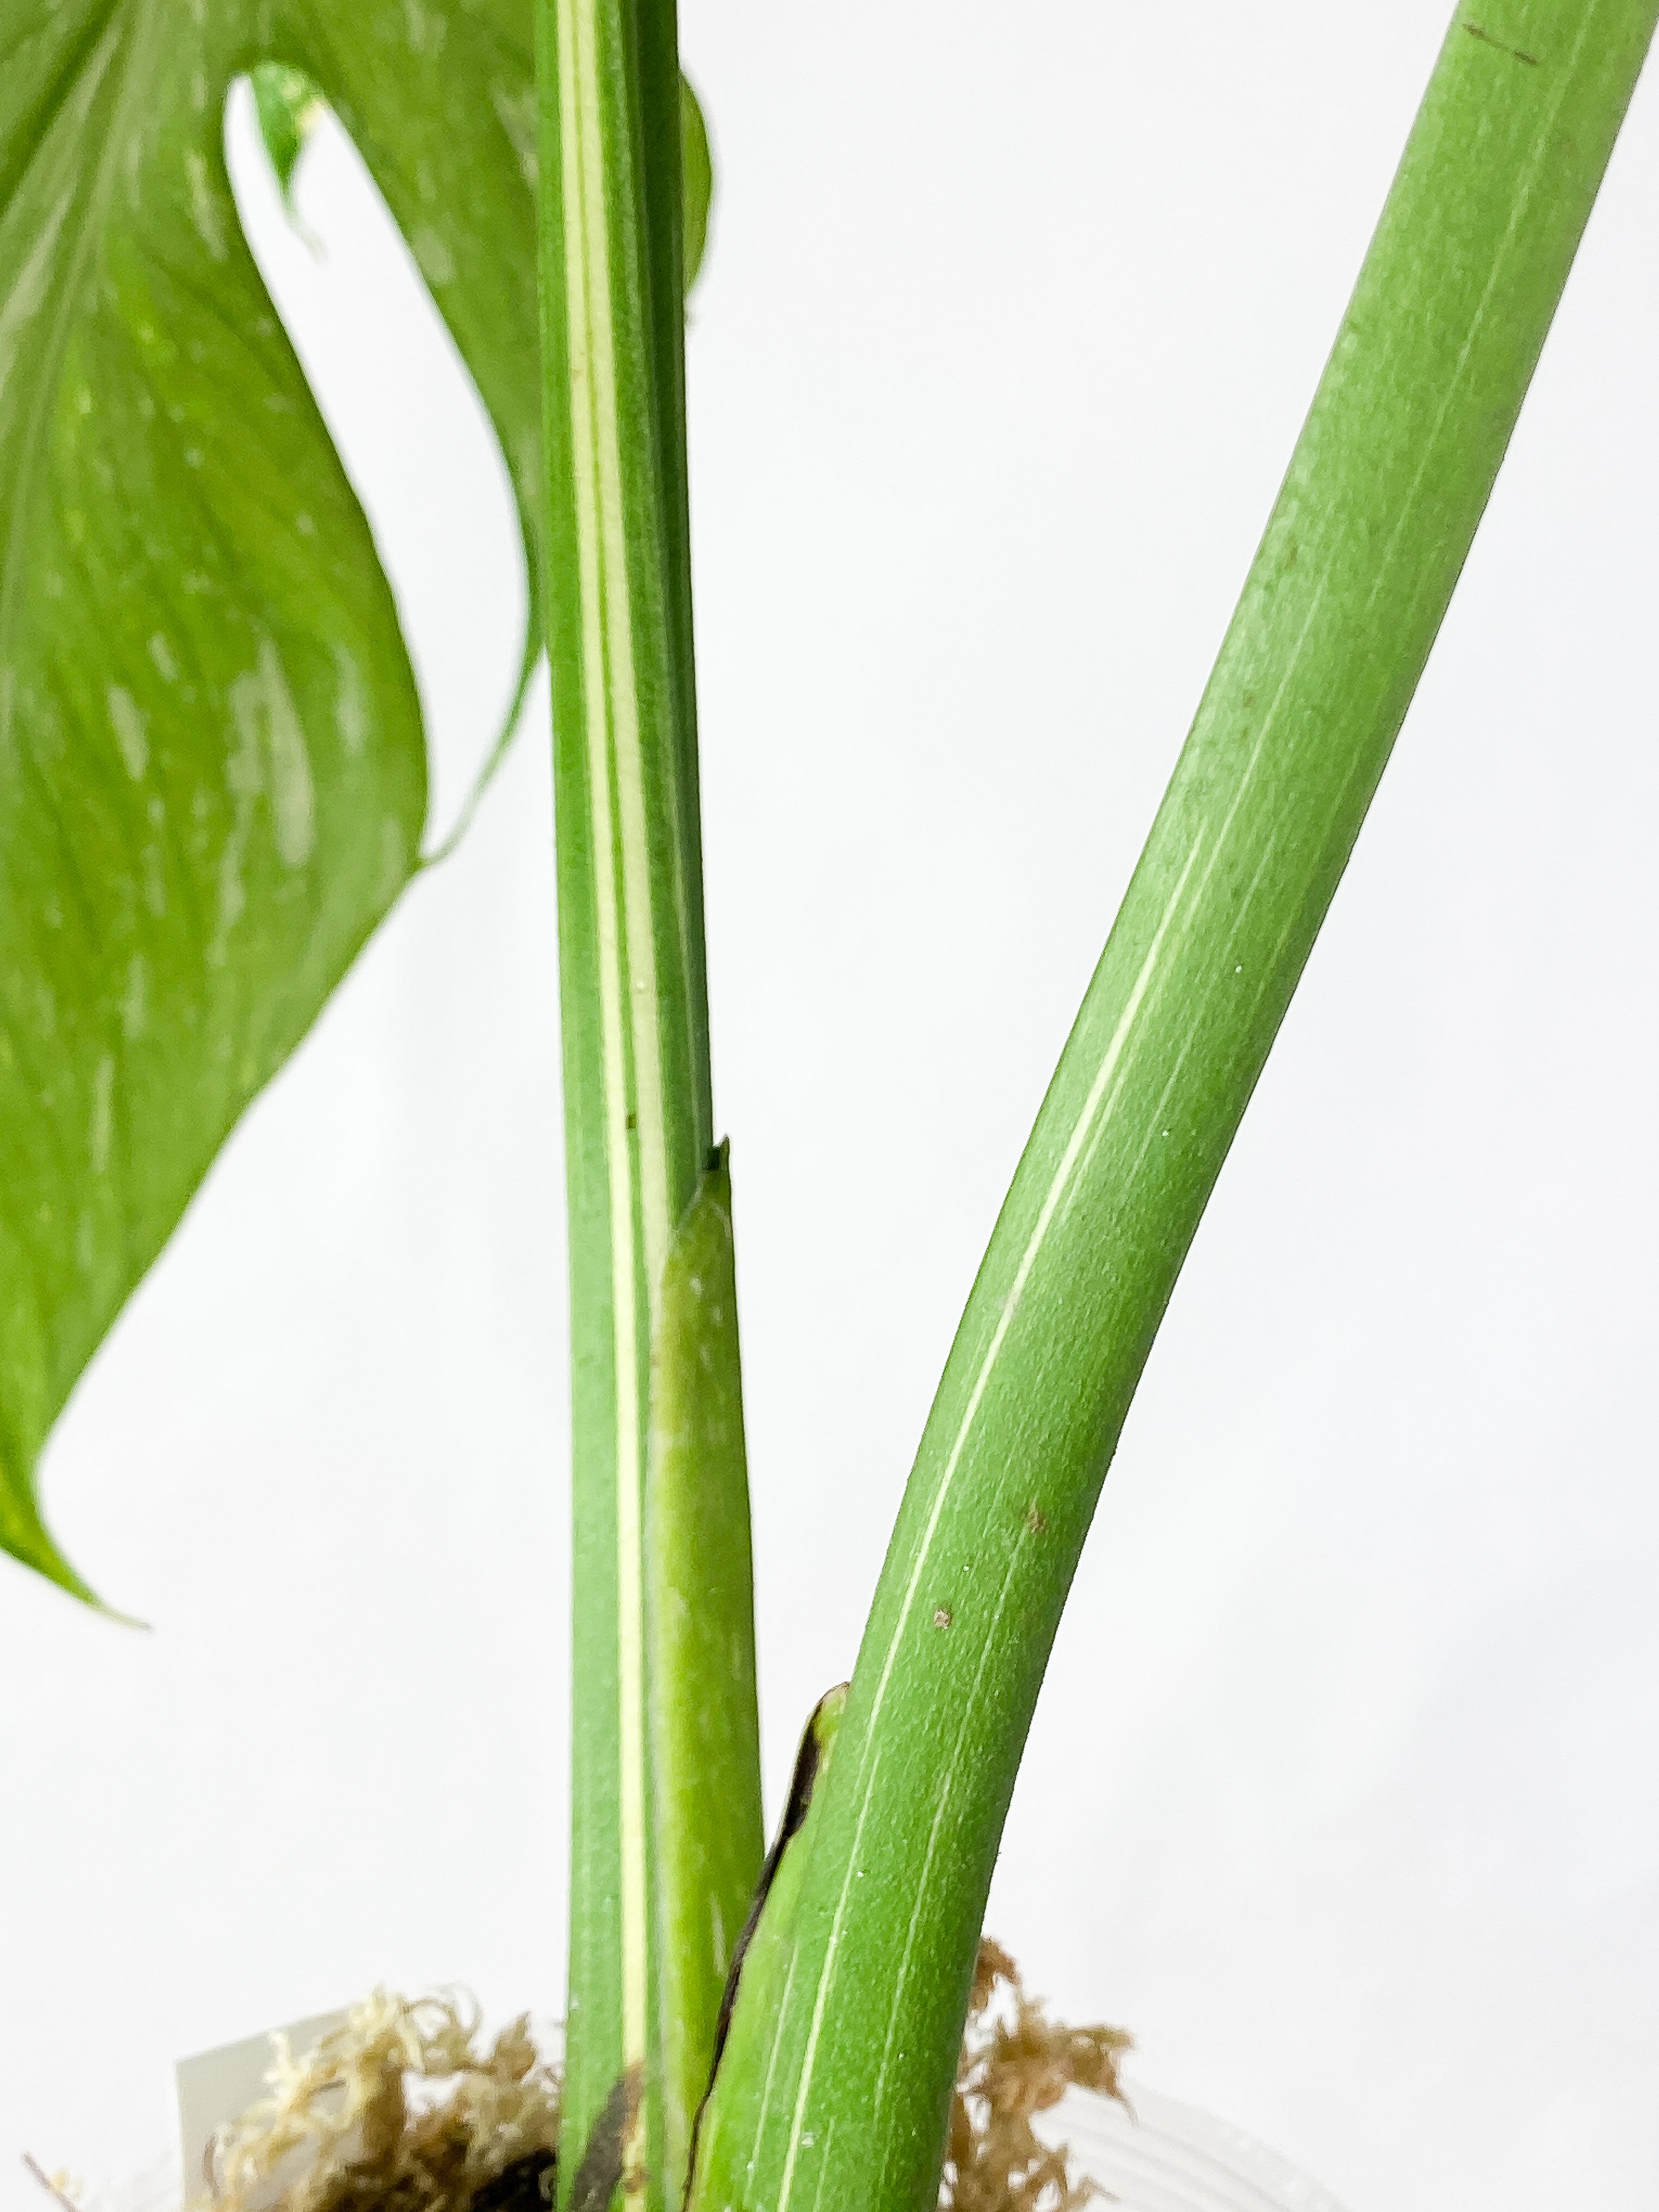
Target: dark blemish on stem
[599,2175]
[1498,46]
[633,1121]
[943,1618]
[1036,1521]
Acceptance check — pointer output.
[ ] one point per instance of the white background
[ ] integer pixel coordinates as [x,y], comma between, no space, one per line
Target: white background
[1343,1793]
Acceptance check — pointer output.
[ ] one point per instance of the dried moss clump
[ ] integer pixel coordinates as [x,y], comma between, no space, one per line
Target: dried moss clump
[401,2110]
[1015,2063]
[485,2136]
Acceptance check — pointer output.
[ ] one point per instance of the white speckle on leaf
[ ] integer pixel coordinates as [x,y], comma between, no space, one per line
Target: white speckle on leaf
[103,1112]
[244,774]
[293,797]
[515,112]
[244,780]
[130,734]
[197,91]
[426,32]
[192,457]
[305,524]
[432,256]
[162,654]
[205,211]
[394,859]
[262,706]
[351,702]
[135,1004]
[28,288]
[233,897]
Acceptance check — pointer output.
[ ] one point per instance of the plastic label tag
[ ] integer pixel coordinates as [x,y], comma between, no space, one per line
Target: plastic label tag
[216,2087]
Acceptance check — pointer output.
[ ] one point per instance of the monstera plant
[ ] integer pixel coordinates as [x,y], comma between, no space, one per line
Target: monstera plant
[213,790]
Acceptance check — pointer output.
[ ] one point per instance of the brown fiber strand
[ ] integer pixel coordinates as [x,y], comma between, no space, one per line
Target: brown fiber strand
[1015,2063]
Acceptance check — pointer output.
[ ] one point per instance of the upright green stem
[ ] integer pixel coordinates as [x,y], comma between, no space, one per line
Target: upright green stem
[639,1130]
[835,2099]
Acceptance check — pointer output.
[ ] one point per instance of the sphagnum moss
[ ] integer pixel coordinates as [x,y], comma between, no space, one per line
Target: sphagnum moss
[487,2139]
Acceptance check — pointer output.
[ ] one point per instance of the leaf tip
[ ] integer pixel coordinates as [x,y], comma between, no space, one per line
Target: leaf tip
[25,1538]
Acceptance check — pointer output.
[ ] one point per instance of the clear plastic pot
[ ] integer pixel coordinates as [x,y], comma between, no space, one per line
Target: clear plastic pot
[1163,2157]
[1168,2157]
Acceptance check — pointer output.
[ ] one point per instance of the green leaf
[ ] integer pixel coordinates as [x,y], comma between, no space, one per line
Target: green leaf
[697,167]
[841,2105]
[212,770]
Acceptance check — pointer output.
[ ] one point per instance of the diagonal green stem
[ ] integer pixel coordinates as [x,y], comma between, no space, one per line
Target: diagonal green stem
[639,1133]
[836,2102]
